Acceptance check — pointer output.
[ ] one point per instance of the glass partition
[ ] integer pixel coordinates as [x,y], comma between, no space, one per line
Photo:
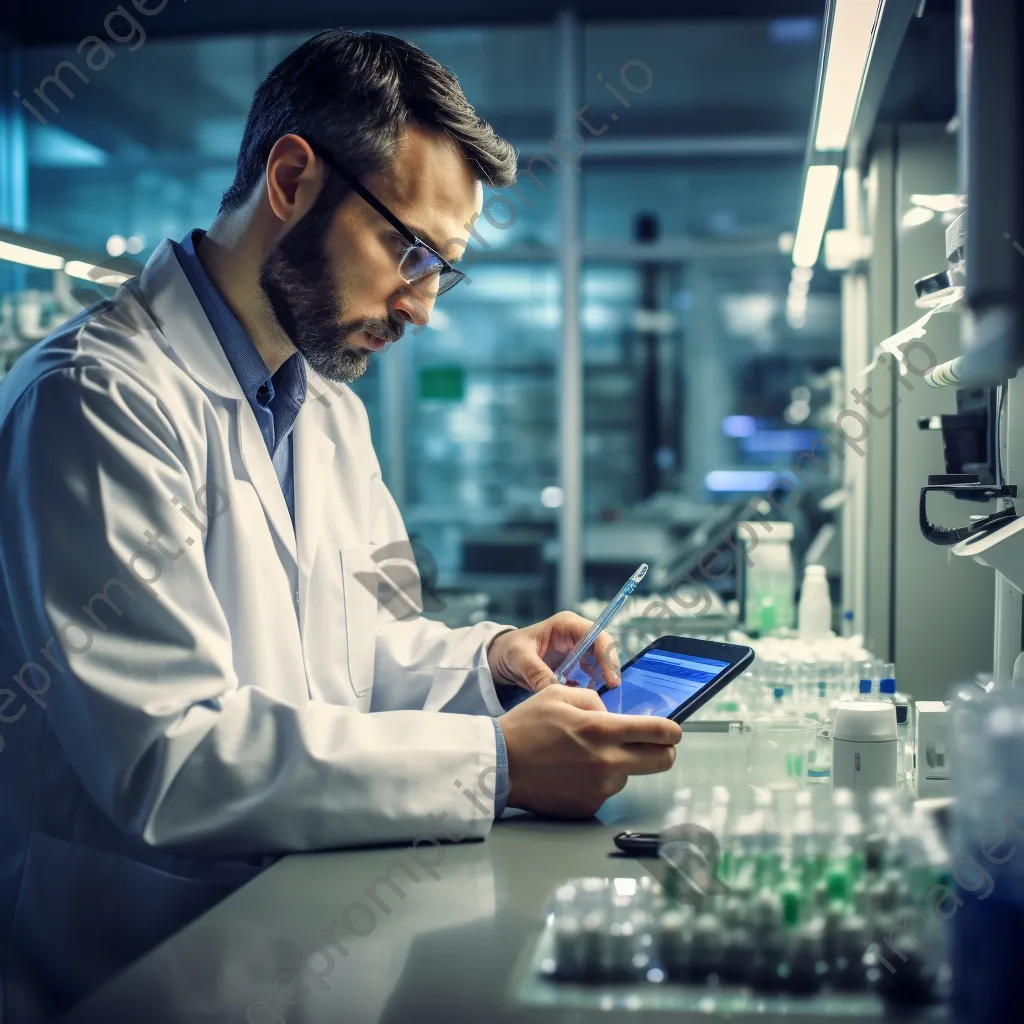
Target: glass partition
[481,445]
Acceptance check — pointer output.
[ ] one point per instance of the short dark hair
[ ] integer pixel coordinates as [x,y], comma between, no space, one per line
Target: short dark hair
[354,92]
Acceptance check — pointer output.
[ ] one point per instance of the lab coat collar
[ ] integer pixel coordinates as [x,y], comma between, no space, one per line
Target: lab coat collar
[185,329]
[187,332]
[181,320]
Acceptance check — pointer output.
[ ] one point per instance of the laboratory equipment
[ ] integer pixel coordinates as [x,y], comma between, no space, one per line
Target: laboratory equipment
[781,750]
[766,905]
[767,581]
[864,745]
[987,923]
[576,654]
[931,748]
[815,613]
[887,691]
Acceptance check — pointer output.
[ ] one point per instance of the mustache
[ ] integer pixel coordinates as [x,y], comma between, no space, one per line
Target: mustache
[385,328]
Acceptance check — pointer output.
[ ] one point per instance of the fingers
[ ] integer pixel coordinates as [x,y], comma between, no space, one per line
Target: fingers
[578,696]
[608,656]
[600,663]
[647,758]
[575,625]
[639,729]
[537,675]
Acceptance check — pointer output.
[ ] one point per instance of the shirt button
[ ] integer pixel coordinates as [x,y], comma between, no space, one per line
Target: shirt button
[262,393]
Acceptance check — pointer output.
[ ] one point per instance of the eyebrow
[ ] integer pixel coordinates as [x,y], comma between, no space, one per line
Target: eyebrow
[434,244]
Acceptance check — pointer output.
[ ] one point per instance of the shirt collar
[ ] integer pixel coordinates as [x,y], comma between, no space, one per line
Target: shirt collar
[242,354]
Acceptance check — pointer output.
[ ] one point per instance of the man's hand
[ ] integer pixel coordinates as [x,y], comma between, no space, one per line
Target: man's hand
[527,657]
[567,753]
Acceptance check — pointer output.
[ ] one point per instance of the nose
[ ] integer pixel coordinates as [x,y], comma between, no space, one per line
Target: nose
[415,302]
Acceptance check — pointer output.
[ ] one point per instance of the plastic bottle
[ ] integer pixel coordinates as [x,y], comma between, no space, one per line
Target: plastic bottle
[988,760]
[887,691]
[866,688]
[887,684]
[815,614]
[769,579]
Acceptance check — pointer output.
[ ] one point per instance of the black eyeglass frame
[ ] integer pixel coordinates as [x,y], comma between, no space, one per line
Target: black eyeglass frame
[406,232]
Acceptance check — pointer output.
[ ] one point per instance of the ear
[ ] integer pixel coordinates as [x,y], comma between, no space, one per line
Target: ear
[294,177]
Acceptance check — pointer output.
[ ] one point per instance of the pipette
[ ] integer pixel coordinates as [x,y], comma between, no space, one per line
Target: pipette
[616,603]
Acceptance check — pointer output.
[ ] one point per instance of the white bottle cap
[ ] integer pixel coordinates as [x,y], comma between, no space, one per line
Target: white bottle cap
[865,721]
[814,570]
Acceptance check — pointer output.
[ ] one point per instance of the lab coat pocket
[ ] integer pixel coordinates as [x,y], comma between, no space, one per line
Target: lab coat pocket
[360,582]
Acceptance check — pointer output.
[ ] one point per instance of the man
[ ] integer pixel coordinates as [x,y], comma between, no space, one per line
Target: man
[204,675]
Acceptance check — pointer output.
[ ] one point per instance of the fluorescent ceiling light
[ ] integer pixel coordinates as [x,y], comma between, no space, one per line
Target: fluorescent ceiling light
[30,257]
[98,275]
[819,188]
[849,45]
[945,202]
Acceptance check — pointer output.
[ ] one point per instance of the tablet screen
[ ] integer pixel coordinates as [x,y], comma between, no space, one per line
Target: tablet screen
[660,681]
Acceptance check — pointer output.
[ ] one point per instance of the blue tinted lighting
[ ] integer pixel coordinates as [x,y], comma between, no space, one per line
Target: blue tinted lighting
[739,426]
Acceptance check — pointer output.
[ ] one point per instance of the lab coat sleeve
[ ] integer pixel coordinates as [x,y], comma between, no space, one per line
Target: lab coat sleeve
[142,693]
[419,662]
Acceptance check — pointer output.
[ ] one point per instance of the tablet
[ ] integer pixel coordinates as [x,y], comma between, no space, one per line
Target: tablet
[674,676]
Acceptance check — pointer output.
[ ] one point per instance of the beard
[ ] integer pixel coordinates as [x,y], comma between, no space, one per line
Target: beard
[309,308]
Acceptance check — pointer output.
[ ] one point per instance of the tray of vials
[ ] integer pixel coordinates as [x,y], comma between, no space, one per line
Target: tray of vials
[751,919]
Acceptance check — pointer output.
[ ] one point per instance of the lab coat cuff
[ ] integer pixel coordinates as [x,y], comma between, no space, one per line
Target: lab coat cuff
[489,689]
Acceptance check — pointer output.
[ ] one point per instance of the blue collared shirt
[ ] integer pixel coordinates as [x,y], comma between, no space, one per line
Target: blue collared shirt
[275,400]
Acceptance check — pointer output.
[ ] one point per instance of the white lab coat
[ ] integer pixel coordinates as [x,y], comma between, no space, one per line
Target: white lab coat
[219,687]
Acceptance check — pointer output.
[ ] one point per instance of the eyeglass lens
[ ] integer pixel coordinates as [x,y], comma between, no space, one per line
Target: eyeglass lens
[419,262]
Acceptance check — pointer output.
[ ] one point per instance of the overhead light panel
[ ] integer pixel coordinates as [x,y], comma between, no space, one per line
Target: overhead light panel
[30,257]
[853,26]
[98,275]
[819,187]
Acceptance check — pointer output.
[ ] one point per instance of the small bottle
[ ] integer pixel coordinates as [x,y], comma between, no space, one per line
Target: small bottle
[887,684]
[815,613]
[866,689]
[888,691]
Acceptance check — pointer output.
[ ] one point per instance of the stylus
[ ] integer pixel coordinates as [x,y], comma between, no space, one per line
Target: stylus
[576,654]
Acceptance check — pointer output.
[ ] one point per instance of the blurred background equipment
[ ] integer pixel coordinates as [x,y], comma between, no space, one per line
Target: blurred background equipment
[695,388]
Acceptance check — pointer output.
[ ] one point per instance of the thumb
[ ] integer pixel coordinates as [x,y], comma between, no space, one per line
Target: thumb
[580,697]
[535,673]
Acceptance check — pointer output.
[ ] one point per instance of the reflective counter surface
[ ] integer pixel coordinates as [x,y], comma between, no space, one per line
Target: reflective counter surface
[447,946]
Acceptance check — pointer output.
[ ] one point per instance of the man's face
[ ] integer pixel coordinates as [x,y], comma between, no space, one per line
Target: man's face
[332,280]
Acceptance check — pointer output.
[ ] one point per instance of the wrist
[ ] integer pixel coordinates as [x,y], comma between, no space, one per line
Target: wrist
[490,652]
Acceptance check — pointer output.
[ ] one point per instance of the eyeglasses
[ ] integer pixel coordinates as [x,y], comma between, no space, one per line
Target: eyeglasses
[418,260]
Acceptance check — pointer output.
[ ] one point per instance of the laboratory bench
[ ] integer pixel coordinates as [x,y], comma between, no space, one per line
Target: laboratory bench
[455,946]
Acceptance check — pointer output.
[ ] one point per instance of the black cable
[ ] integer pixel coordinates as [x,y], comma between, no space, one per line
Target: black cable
[941,535]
